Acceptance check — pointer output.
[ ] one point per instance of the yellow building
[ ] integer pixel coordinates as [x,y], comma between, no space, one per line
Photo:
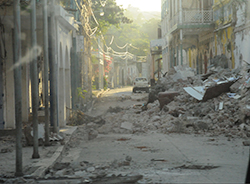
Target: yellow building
[187,26]
[224,29]
[198,30]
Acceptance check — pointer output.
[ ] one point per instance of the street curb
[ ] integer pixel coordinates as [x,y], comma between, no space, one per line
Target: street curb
[45,163]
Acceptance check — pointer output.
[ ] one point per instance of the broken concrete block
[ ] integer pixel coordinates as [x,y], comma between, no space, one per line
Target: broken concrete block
[6,150]
[80,173]
[202,94]
[92,134]
[127,125]
[105,129]
[236,86]
[91,169]
[59,166]
[166,97]
[221,105]
[28,132]
[60,172]
[246,143]
[201,125]
[192,118]
[128,158]
[156,118]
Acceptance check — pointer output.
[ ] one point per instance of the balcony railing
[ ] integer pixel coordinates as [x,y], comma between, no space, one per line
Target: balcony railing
[191,17]
[197,16]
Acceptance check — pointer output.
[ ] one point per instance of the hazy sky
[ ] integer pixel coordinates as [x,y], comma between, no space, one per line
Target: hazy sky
[143,5]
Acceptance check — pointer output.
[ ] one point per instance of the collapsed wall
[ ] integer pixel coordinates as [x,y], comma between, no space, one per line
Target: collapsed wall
[227,113]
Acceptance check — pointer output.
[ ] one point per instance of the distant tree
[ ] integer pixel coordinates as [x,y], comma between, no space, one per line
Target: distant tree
[107,13]
[151,28]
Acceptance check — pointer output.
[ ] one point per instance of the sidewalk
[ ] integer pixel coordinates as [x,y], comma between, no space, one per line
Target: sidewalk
[31,167]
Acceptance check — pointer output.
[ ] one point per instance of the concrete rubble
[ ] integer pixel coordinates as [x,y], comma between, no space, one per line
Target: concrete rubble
[53,137]
[224,111]
[168,109]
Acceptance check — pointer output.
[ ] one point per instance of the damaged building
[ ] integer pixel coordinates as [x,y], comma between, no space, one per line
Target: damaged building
[198,31]
[63,25]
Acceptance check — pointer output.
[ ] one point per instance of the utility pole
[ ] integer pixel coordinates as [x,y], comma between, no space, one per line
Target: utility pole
[53,76]
[101,62]
[18,90]
[46,75]
[34,80]
[126,67]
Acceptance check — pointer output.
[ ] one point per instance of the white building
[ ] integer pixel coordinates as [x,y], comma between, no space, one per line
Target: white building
[242,36]
[64,26]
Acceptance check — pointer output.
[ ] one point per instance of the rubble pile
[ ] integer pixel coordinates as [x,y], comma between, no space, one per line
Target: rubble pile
[217,103]
[80,118]
[7,144]
[225,109]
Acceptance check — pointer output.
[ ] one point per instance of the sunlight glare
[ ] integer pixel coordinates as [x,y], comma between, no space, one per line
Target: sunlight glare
[141,4]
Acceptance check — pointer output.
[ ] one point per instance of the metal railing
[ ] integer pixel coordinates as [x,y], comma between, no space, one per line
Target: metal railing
[190,17]
[197,16]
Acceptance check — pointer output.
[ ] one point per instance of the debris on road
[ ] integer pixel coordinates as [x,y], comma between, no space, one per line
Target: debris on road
[217,103]
[80,118]
[166,97]
[197,167]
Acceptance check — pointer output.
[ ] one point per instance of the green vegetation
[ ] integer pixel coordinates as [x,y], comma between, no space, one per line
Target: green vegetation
[107,13]
[81,93]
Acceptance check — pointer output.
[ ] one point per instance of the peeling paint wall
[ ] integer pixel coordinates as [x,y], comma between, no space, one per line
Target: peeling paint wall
[224,30]
[242,40]
[242,36]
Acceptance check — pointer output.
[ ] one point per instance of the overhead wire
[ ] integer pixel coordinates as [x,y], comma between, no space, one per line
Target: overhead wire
[103,3]
[122,55]
[134,47]
[112,39]
[122,46]
[84,10]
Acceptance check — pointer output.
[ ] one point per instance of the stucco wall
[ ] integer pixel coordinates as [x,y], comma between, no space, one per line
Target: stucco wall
[242,40]
[9,98]
[64,44]
[242,36]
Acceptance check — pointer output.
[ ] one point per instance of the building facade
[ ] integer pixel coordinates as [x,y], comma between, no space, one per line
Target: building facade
[64,27]
[198,30]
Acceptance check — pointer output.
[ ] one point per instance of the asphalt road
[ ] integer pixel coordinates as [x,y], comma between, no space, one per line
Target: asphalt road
[162,158]
[122,97]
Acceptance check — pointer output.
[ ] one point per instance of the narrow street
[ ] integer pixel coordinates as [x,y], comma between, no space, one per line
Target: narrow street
[124,91]
[157,157]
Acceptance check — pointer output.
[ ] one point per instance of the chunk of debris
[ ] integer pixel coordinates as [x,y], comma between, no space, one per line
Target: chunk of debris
[28,132]
[197,167]
[166,97]
[118,179]
[6,150]
[92,134]
[246,143]
[159,160]
[79,118]
[115,109]
[127,125]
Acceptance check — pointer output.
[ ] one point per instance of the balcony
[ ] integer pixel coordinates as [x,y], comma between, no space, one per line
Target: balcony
[191,19]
